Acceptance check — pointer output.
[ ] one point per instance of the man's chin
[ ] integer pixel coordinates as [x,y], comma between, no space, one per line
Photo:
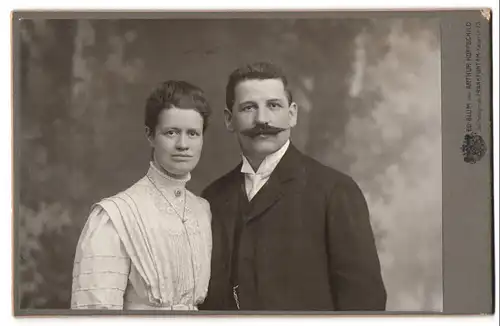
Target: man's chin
[262,146]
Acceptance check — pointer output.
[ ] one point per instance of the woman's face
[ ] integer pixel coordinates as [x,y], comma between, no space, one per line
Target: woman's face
[177,141]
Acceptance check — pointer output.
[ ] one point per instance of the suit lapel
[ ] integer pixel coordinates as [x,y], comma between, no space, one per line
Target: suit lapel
[230,207]
[279,183]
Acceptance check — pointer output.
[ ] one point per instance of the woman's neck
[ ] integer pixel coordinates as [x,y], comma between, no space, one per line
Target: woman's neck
[179,177]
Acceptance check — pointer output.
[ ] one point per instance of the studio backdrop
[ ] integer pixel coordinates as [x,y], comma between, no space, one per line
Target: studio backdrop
[368,92]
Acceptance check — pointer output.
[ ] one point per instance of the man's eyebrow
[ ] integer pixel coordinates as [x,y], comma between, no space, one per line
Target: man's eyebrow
[169,128]
[246,102]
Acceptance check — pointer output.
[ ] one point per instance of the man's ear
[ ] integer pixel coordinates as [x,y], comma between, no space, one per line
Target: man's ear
[149,136]
[293,112]
[228,119]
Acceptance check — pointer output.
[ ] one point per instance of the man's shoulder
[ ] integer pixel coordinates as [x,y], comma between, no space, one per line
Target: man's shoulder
[220,184]
[329,179]
[324,173]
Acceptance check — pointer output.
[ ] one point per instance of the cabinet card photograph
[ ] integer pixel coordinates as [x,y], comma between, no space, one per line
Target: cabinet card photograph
[252,163]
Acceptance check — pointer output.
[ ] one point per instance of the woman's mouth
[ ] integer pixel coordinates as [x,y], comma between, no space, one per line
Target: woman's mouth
[182,157]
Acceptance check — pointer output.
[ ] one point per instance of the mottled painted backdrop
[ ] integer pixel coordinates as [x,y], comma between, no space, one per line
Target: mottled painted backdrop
[369,97]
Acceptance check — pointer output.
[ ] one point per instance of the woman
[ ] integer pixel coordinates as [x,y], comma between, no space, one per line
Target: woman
[149,246]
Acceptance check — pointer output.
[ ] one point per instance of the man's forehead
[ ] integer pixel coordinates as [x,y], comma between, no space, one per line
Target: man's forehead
[260,88]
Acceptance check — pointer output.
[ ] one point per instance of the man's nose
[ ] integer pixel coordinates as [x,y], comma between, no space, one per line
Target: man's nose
[262,115]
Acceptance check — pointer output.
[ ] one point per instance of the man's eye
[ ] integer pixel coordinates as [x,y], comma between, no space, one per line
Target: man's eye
[193,133]
[274,105]
[247,108]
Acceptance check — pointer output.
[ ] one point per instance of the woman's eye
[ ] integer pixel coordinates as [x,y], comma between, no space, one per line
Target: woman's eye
[170,133]
[193,133]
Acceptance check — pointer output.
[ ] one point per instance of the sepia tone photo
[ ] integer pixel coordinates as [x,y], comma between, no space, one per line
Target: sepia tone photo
[230,164]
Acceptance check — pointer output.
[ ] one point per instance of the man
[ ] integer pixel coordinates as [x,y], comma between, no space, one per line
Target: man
[288,232]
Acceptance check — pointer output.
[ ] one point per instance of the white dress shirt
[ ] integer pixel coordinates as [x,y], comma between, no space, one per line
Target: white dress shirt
[255,180]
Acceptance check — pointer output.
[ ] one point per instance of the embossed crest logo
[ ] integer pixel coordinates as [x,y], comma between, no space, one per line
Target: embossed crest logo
[473,148]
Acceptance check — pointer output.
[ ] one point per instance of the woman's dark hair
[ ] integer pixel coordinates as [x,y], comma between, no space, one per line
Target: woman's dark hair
[178,94]
[257,70]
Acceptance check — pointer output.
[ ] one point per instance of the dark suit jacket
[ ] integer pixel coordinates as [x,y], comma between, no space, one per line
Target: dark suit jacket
[306,242]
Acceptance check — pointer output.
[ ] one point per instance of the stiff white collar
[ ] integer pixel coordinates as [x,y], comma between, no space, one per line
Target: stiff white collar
[268,164]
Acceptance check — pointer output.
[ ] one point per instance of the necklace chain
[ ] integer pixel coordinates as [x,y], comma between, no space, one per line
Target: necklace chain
[183,216]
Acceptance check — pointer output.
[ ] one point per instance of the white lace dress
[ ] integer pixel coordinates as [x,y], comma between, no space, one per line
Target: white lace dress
[148,247]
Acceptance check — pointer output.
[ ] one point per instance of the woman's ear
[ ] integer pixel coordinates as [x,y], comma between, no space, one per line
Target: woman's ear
[149,136]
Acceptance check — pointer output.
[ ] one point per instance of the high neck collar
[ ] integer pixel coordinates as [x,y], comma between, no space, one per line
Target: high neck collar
[164,181]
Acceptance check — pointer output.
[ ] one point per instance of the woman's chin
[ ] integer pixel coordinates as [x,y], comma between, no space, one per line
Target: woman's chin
[180,170]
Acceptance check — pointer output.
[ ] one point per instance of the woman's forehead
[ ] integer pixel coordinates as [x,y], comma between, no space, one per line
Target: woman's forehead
[180,118]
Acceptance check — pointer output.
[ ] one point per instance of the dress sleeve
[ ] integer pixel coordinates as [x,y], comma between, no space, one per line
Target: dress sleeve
[101,267]
[206,207]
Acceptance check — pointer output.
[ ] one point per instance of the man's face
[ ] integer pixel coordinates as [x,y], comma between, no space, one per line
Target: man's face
[261,116]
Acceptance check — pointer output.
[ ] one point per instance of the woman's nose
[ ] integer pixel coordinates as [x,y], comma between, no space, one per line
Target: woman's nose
[182,143]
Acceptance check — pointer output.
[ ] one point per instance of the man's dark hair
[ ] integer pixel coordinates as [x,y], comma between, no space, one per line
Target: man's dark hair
[178,94]
[257,70]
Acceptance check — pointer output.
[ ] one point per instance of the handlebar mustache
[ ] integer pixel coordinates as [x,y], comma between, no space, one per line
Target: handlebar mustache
[262,129]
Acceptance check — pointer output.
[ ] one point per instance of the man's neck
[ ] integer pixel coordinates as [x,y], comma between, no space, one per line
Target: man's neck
[255,162]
